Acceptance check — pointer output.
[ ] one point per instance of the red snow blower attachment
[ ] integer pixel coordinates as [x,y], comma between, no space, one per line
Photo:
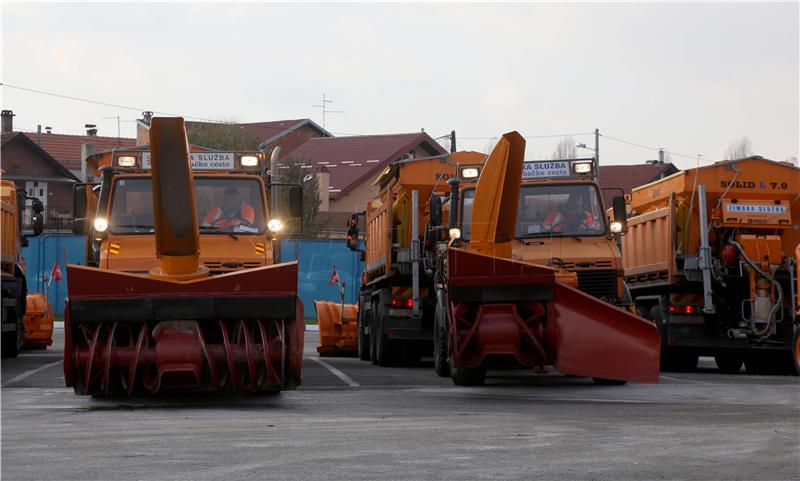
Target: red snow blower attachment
[178,328]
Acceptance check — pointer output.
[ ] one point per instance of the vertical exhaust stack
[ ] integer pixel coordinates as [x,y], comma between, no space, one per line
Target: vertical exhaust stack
[174,213]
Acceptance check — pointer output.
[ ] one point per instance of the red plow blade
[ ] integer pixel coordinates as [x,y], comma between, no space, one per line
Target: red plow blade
[505,308]
[241,331]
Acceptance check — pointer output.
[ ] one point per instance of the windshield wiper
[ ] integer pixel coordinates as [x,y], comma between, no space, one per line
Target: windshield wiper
[213,227]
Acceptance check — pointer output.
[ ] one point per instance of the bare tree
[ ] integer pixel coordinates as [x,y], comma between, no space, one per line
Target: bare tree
[565,149]
[739,149]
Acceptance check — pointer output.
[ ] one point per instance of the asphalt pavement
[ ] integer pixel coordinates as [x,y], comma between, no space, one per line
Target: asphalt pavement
[352,420]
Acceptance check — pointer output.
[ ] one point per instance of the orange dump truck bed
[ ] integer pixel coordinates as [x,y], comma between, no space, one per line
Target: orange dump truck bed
[763,195]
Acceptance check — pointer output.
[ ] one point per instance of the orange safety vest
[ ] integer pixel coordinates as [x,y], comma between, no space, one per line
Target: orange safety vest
[216,217]
[556,220]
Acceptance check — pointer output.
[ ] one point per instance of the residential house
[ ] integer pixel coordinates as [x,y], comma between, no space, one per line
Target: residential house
[617,180]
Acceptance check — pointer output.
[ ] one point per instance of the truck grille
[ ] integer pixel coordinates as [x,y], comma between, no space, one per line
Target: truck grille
[598,283]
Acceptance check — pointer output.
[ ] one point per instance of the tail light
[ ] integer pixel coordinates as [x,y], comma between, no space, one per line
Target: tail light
[687,309]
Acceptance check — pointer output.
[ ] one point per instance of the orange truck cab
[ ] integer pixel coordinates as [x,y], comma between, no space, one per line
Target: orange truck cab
[233,215]
[561,223]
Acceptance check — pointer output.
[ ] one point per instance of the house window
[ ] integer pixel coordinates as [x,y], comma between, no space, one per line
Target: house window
[37,189]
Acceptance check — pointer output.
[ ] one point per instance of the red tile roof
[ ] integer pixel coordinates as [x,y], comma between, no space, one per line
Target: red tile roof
[267,130]
[352,160]
[626,177]
[67,148]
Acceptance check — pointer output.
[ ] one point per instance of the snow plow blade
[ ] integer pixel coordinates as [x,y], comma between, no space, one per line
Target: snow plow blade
[501,308]
[338,334]
[38,322]
[232,332]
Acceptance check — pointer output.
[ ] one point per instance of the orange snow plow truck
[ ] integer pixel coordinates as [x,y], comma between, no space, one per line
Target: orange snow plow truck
[210,310]
[711,258]
[509,284]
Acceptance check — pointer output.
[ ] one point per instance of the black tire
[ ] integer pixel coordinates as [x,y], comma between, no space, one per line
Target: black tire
[672,359]
[440,339]
[383,348]
[363,338]
[730,363]
[13,341]
[608,382]
[462,376]
[374,333]
[795,352]
[758,362]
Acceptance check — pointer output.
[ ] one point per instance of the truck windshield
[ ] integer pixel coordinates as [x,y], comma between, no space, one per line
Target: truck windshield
[224,206]
[550,210]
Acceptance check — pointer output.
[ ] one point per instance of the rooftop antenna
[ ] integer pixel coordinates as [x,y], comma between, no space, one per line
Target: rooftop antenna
[325,110]
[119,136]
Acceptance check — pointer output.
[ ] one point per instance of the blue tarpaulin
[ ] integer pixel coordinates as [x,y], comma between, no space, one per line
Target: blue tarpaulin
[42,254]
[317,259]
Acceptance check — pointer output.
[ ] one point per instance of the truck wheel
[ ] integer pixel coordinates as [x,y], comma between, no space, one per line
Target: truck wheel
[383,353]
[468,376]
[13,341]
[600,381]
[796,352]
[729,363]
[363,338]
[672,359]
[374,333]
[440,341]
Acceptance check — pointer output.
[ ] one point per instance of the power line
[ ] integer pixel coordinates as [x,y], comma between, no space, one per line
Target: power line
[107,104]
[656,149]
[547,136]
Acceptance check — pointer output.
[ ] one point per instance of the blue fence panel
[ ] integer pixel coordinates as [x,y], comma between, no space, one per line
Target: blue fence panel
[316,260]
[41,255]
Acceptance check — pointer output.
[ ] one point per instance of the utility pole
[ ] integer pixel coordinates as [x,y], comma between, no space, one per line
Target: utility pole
[597,153]
[325,110]
[452,141]
[119,136]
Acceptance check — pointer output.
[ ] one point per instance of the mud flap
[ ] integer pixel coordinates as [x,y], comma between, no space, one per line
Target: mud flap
[597,339]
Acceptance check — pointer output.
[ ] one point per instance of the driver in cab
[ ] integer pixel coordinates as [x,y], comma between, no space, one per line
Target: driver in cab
[569,217]
[233,212]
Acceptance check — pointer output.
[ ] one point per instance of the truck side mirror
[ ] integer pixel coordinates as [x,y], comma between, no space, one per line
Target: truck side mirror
[79,206]
[296,201]
[352,232]
[37,219]
[436,210]
[620,213]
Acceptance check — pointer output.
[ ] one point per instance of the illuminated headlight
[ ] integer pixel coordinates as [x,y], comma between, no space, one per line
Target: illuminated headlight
[455,233]
[616,227]
[126,161]
[583,168]
[470,173]
[275,225]
[249,161]
[100,224]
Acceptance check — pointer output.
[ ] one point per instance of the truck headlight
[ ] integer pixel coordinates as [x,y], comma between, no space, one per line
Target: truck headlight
[100,224]
[126,161]
[249,161]
[583,168]
[455,233]
[470,173]
[275,225]
[616,227]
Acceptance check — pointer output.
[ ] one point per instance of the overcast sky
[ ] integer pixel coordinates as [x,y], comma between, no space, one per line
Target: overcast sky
[691,78]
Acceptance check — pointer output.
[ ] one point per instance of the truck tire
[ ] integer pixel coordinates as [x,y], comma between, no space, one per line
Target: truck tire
[468,376]
[440,339]
[384,353]
[601,381]
[363,339]
[729,363]
[796,352]
[374,332]
[672,359]
[13,341]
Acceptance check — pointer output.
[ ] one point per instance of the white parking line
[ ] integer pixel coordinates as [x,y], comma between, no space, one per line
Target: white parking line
[344,377]
[684,380]
[30,373]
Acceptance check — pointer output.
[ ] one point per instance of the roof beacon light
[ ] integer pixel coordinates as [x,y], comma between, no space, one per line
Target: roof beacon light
[470,173]
[249,161]
[126,161]
[582,167]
